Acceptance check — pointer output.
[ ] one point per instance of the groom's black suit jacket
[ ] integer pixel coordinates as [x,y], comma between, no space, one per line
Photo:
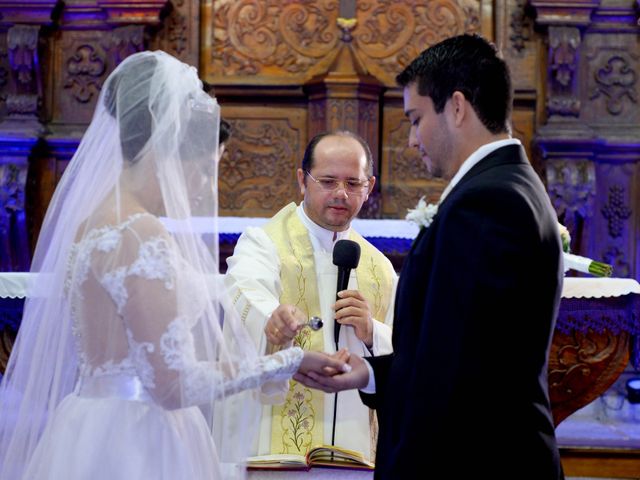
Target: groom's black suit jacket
[464,395]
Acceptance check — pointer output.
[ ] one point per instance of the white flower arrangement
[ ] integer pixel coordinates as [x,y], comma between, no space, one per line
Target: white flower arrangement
[578,263]
[423,214]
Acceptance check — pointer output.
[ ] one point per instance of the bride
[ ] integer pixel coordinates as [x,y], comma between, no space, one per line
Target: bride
[120,369]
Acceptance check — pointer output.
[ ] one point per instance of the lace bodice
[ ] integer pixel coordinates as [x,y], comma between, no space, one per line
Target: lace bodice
[138,307]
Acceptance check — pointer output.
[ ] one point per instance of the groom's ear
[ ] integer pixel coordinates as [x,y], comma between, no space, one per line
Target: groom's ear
[459,107]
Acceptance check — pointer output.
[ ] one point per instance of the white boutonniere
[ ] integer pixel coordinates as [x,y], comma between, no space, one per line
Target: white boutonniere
[423,214]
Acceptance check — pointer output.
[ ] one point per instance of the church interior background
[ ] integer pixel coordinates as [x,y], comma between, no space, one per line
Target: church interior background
[284,70]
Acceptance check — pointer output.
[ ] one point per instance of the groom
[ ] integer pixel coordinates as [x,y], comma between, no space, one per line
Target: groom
[465,392]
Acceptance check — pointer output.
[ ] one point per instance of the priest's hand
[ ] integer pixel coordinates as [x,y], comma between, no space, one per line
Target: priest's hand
[283,324]
[358,377]
[353,309]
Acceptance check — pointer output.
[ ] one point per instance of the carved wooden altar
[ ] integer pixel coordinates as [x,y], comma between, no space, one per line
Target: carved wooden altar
[285,70]
[592,344]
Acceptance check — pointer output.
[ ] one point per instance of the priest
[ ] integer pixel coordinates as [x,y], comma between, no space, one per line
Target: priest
[282,274]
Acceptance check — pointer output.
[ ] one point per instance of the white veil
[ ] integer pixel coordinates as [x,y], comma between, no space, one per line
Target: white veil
[151,148]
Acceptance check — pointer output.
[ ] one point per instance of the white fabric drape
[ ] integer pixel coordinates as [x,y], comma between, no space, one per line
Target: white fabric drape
[120,365]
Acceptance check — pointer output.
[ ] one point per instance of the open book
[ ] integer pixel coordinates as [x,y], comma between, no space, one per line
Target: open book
[320,456]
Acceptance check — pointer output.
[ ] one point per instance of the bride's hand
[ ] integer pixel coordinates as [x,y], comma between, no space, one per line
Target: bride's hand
[324,364]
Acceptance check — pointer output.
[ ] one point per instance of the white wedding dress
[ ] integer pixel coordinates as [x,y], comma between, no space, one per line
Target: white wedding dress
[134,413]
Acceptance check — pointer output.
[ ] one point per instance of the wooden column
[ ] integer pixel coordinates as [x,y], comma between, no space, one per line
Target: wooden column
[21,96]
[347,97]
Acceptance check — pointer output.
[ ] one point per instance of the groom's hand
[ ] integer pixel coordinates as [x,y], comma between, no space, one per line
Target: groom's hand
[358,377]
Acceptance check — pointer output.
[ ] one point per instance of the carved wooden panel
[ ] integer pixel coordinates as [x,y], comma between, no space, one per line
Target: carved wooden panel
[44,173]
[391,33]
[180,31]
[335,111]
[592,96]
[81,65]
[516,39]
[277,42]
[571,183]
[258,42]
[611,81]
[5,68]
[82,62]
[612,233]
[523,123]
[14,247]
[269,39]
[582,366]
[257,175]
[22,46]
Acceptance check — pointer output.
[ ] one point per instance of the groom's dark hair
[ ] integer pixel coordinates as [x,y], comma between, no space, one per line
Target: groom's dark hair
[468,64]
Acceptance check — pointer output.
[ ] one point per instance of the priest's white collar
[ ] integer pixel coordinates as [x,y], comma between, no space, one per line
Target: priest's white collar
[321,238]
[473,159]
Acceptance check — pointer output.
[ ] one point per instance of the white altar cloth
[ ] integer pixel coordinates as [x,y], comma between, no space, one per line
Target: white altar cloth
[598,287]
[390,228]
[16,285]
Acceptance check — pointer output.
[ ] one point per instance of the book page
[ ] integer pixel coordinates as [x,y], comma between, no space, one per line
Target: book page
[328,455]
[277,462]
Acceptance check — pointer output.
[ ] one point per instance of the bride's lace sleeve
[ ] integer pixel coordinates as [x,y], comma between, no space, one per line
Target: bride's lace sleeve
[161,304]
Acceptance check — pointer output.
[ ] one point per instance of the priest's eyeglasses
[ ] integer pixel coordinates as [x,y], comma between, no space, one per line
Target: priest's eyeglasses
[329,184]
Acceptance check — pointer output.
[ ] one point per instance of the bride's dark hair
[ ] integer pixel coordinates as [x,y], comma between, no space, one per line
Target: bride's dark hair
[127,100]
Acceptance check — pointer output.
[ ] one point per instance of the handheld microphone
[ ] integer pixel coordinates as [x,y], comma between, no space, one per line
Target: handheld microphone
[346,255]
